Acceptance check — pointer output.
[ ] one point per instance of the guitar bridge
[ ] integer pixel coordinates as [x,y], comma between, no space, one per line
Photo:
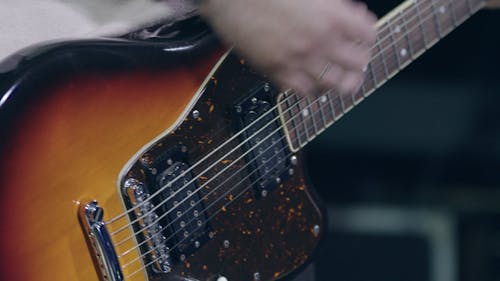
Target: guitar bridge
[98,238]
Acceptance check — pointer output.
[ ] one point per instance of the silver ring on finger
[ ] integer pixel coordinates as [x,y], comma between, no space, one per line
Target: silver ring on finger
[325,70]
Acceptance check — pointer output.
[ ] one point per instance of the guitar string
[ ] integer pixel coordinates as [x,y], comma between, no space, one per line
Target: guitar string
[117,217]
[202,212]
[313,124]
[241,168]
[276,119]
[220,185]
[120,216]
[341,100]
[199,174]
[222,157]
[306,132]
[321,107]
[243,191]
[220,130]
[313,120]
[214,177]
[273,133]
[159,191]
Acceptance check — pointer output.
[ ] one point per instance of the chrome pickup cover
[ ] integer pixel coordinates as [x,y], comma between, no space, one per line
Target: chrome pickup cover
[152,238]
[169,214]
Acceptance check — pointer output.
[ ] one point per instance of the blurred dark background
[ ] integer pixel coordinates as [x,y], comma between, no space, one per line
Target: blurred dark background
[411,177]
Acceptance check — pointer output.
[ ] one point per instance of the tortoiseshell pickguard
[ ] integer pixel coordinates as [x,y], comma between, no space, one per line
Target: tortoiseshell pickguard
[269,237]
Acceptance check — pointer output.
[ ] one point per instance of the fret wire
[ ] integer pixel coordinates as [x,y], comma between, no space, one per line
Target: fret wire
[329,112]
[336,102]
[311,113]
[476,8]
[363,89]
[325,108]
[436,19]
[469,10]
[393,61]
[389,53]
[376,61]
[455,10]
[419,16]
[336,107]
[302,122]
[322,109]
[342,104]
[370,65]
[305,117]
[430,21]
[347,101]
[382,55]
[469,6]
[452,11]
[365,92]
[312,119]
[319,101]
[321,113]
[394,43]
[358,96]
[407,36]
[445,15]
[371,81]
[294,124]
[331,106]
[404,48]
[466,11]
[354,101]
[420,43]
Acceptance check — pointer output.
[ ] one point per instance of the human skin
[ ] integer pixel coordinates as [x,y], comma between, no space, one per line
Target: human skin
[292,41]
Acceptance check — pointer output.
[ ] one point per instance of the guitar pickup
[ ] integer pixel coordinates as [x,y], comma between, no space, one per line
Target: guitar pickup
[264,141]
[186,219]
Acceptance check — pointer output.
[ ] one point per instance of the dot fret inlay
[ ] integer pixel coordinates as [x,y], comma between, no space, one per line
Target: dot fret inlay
[404,52]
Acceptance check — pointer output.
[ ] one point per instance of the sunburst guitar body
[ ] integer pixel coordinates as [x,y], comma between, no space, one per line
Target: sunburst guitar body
[123,160]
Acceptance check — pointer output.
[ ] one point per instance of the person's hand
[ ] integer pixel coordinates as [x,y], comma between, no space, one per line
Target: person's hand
[300,44]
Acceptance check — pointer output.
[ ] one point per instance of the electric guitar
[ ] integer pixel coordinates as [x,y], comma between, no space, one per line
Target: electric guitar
[134,160]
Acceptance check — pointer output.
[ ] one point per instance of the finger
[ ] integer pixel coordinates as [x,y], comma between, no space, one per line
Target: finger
[299,81]
[351,82]
[357,23]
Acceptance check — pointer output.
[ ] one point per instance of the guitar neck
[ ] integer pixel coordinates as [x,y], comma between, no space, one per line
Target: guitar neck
[403,35]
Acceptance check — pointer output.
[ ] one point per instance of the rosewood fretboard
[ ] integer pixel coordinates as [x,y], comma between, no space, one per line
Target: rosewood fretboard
[403,35]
